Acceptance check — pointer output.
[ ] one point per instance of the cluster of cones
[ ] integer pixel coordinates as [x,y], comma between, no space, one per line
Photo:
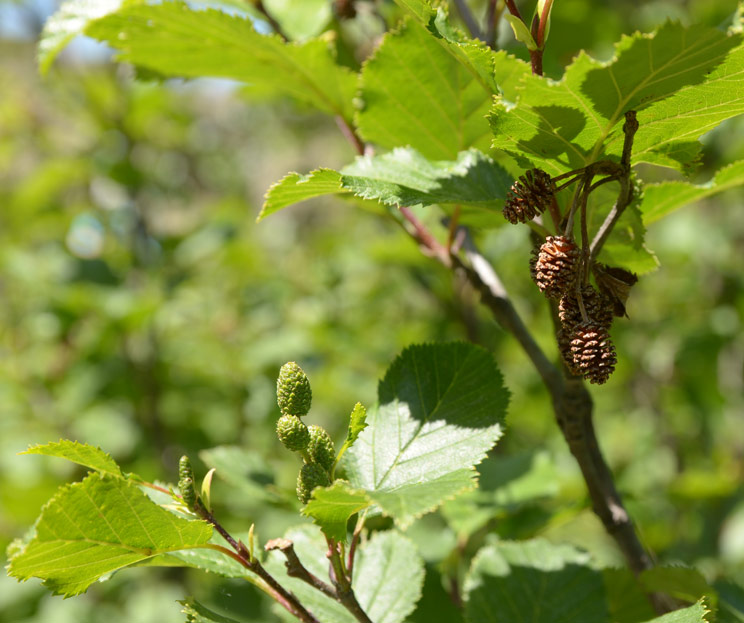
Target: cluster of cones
[558,269]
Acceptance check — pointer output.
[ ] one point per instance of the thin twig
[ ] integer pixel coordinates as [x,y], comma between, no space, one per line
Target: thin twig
[513,8]
[342,583]
[625,196]
[295,568]
[284,597]
[494,296]
[270,18]
[493,15]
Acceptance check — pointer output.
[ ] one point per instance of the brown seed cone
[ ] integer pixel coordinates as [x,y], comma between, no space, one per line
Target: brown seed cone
[529,196]
[564,347]
[556,267]
[598,308]
[593,352]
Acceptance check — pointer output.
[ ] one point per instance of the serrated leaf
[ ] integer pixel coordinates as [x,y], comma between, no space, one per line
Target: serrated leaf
[96,526]
[659,200]
[70,20]
[533,581]
[497,72]
[416,93]
[697,613]
[403,177]
[388,575]
[331,507]
[198,613]
[441,409]
[357,423]
[294,188]
[421,9]
[177,41]
[679,91]
[80,453]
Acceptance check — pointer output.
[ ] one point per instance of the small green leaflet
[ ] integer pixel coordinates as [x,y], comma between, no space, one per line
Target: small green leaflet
[402,177]
[91,528]
[683,81]
[662,199]
[332,506]
[175,40]
[521,32]
[533,582]
[442,408]
[82,454]
[388,575]
[357,423]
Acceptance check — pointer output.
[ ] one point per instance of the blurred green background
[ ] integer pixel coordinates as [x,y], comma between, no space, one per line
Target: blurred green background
[143,310]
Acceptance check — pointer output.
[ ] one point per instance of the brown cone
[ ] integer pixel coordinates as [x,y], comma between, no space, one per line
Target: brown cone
[593,352]
[598,308]
[529,196]
[556,266]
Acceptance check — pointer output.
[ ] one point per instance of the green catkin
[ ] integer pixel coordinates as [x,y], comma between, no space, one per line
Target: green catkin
[293,393]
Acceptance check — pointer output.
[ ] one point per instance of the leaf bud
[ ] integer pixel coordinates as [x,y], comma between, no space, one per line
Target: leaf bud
[293,393]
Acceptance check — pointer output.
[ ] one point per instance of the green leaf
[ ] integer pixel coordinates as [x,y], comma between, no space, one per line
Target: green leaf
[441,409]
[679,582]
[70,20]
[211,560]
[388,575]
[82,454]
[659,200]
[331,507]
[357,423]
[697,613]
[175,40]
[402,177]
[675,78]
[626,247]
[197,613]
[294,188]
[421,9]
[521,32]
[416,93]
[300,19]
[96,526]
[497,72]
[533,581]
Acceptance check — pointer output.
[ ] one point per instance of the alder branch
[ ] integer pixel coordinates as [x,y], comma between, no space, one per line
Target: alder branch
[281,595]
[572,404]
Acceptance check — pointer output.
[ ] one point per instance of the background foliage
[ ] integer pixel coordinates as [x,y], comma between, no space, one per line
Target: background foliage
[144,311]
